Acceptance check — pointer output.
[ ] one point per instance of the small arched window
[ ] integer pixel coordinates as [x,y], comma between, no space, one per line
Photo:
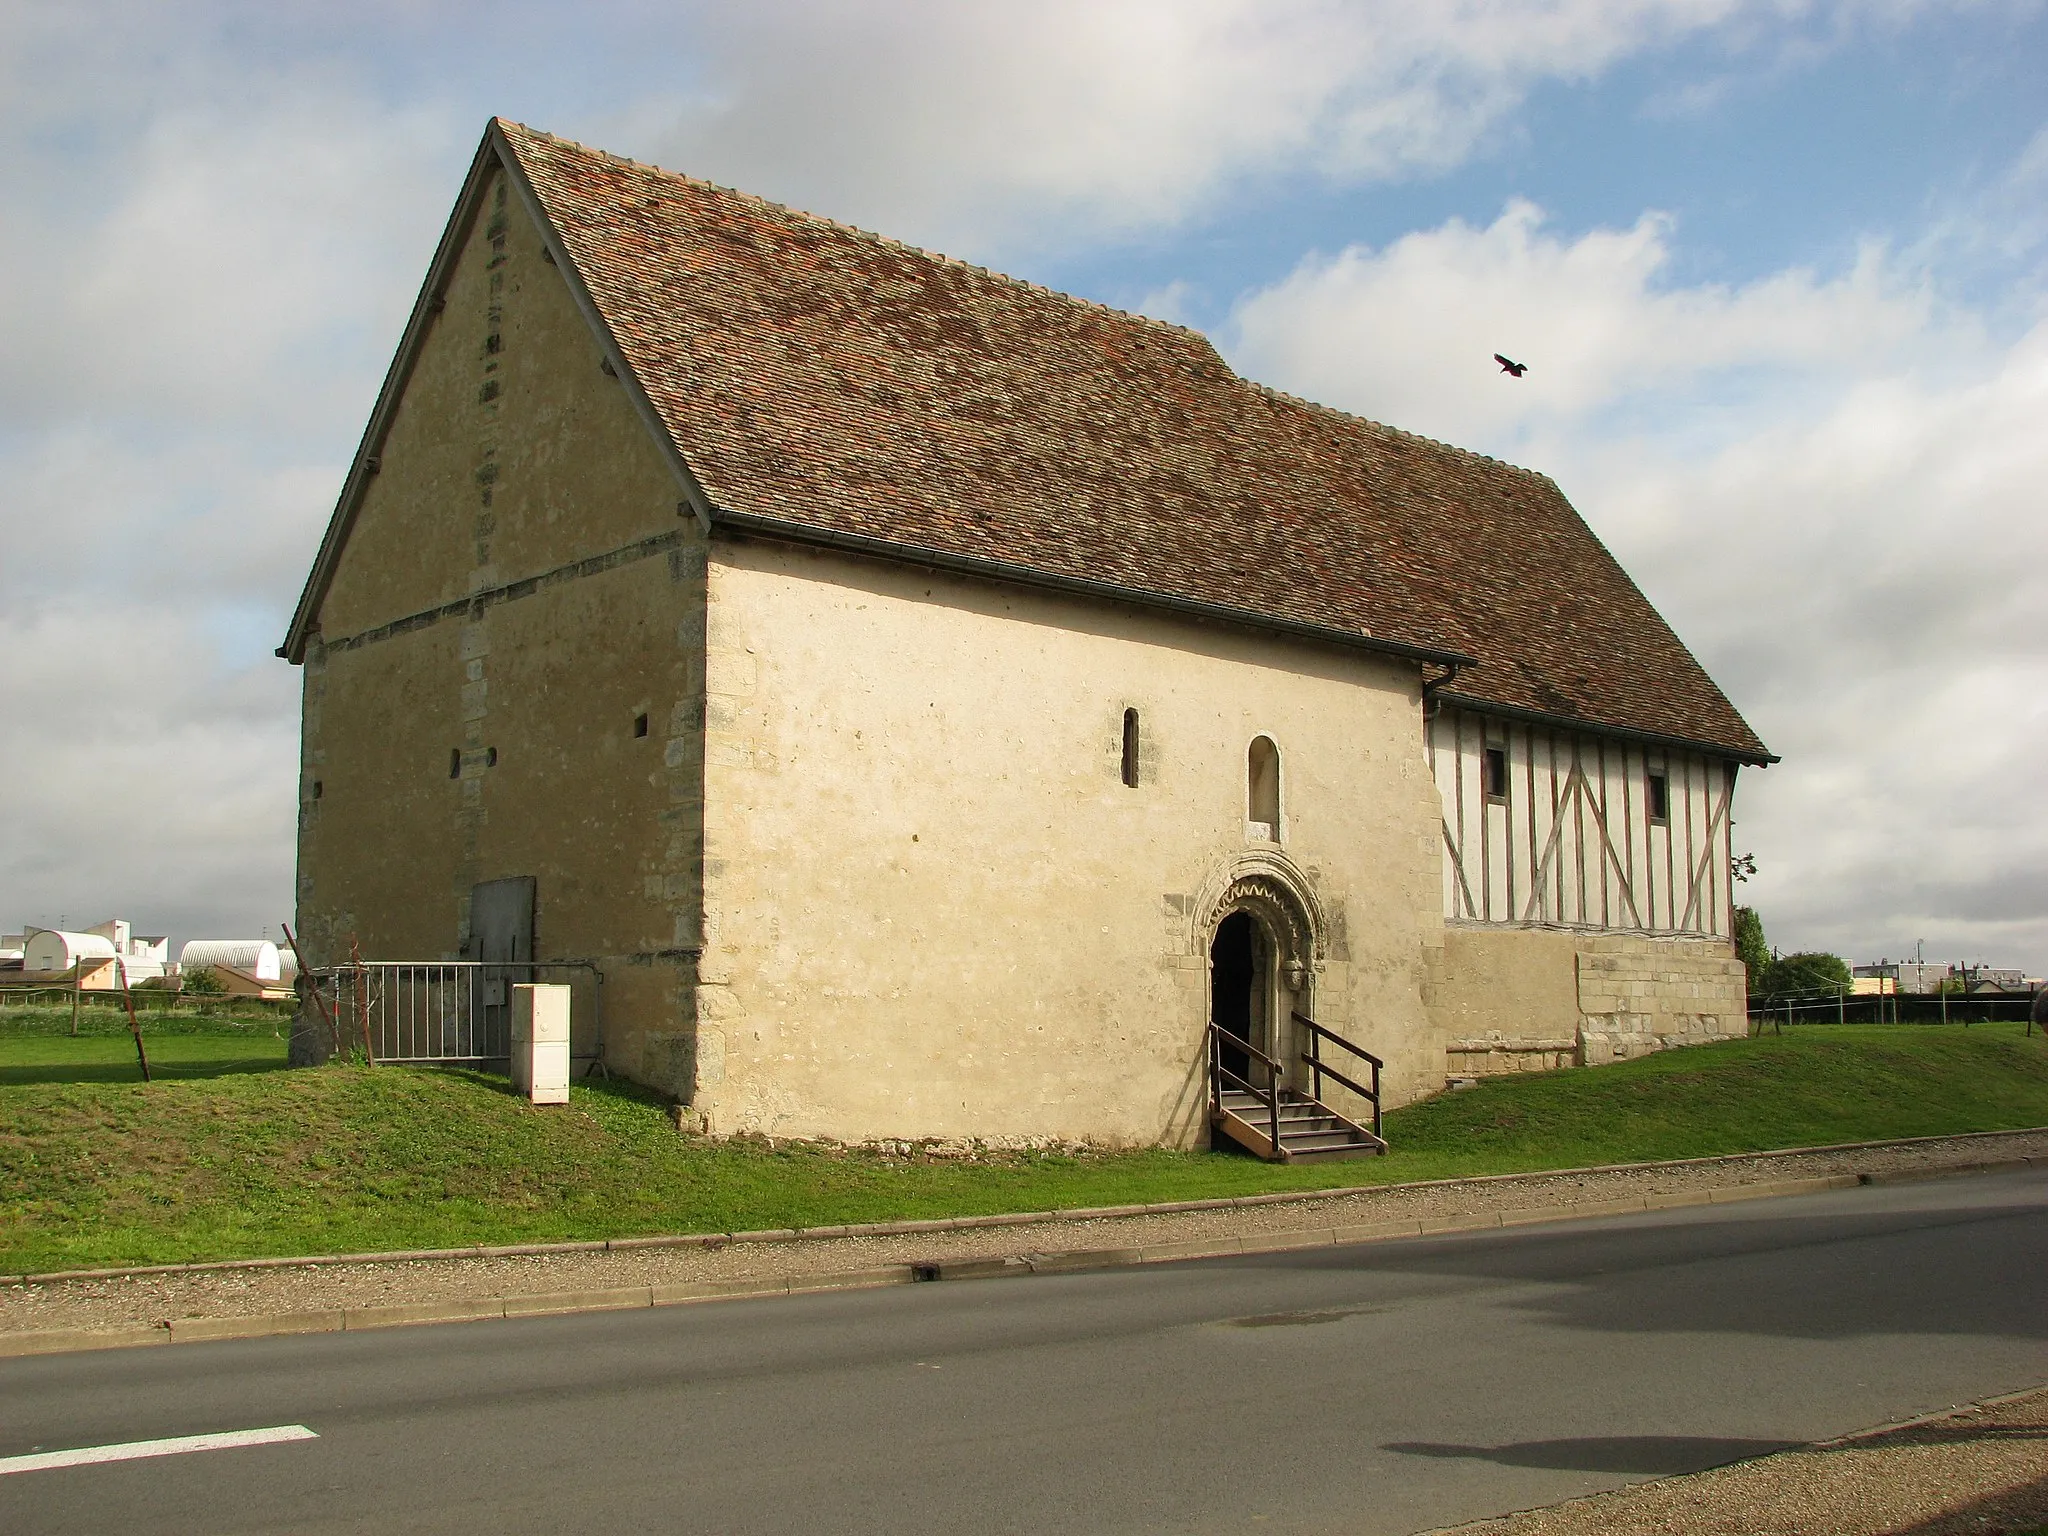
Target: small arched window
[1262,776]
[1131,748]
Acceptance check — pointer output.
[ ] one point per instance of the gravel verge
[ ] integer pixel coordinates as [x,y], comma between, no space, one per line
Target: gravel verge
[125,1302]
[1982,1471]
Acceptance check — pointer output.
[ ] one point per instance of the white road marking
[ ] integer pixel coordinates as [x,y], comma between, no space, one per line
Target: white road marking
[136,1450]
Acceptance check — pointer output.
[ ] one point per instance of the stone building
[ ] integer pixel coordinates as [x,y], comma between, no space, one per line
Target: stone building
[929,700]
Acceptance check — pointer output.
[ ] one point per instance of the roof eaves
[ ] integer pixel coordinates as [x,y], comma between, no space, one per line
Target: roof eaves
[1758,756]
[786,531]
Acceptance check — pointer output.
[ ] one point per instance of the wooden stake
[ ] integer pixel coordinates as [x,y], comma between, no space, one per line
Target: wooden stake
[355,955]
[135,1029]
[313,985]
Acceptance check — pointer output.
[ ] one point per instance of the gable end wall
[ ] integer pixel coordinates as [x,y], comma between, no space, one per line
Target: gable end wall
[516,590]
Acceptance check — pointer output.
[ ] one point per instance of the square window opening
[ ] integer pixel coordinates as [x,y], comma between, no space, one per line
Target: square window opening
[639,725]
[1497,773]
[1659,797]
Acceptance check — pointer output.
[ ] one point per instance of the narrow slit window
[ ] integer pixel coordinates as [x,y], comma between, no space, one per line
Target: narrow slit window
[319,789]
[455,762]
[1262,773]
[639,725]
[1658,796]
[1130,749]
[1497,774]
[490,757]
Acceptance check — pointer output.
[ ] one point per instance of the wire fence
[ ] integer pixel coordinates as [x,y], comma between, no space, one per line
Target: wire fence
[1833,1005]
[147,999]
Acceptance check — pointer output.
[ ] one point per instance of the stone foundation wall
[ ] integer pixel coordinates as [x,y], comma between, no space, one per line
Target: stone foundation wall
[1499,1055]
[1638,995]
[1512,999]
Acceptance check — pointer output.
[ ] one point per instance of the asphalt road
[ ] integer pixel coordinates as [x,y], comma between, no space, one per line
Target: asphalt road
[1386,1388]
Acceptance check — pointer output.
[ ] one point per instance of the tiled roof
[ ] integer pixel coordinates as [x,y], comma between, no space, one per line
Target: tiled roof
[826,377]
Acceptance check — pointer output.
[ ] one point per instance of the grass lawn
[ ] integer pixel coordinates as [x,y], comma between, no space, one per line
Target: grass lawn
[230,1160]
[36,1045]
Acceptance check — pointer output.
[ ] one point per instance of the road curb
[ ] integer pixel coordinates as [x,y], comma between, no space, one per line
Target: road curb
[1070,1261]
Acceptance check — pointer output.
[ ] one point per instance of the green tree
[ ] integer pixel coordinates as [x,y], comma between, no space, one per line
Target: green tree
[1752,949]
[1808,971]
[201,982]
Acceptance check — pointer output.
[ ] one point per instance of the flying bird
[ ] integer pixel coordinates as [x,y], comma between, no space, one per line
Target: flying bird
[1506,366]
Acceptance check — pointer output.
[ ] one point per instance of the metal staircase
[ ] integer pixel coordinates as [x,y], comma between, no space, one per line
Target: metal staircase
[1258,1110]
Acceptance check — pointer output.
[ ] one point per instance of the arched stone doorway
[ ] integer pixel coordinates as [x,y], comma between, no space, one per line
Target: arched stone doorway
[1240,966]
[1264,934]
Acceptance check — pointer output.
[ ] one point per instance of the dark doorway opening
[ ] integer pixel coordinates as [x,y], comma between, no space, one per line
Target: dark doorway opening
[501,935]
[1233,987]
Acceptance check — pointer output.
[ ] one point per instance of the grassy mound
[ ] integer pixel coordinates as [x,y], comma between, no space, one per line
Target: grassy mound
[233,1161]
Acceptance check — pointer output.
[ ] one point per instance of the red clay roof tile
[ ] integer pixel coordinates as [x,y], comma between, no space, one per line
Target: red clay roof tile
[828,377]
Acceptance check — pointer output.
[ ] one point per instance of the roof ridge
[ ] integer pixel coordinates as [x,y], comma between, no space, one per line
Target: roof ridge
[864,233]
[1419,437]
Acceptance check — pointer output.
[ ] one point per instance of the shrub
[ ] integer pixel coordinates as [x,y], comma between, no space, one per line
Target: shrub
[201,982]
[1752,949]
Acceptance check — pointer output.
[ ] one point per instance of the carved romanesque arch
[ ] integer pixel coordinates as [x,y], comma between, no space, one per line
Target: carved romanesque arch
[1269,885]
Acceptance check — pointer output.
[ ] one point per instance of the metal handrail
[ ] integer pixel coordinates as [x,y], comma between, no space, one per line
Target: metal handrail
[1217,1072]
[1313,1056]
[1247,1047]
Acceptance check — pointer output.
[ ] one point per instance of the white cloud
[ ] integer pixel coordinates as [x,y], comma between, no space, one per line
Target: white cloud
[1059,122]
[210,262]
[220,276]
[1407,333]
[1831,486]
[144,779]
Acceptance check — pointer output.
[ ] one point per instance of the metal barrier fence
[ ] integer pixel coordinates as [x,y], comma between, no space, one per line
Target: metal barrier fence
[435,1010]
[422,1010]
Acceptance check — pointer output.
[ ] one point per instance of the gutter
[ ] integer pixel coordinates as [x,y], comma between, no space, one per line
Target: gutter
[1759,759]
[1432,686]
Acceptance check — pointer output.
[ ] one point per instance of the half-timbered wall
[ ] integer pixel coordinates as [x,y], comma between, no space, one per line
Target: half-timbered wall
[1572,841]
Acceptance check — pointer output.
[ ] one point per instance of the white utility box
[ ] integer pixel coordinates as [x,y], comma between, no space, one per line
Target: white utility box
[540,1042]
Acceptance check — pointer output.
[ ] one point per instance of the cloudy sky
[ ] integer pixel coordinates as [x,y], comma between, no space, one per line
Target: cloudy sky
[1778,268]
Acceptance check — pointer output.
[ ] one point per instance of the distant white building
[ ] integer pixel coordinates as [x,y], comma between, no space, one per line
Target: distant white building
[1927,977]
[1893,976]
[98,958]
[1996,978]
[255,958]
[246,967]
